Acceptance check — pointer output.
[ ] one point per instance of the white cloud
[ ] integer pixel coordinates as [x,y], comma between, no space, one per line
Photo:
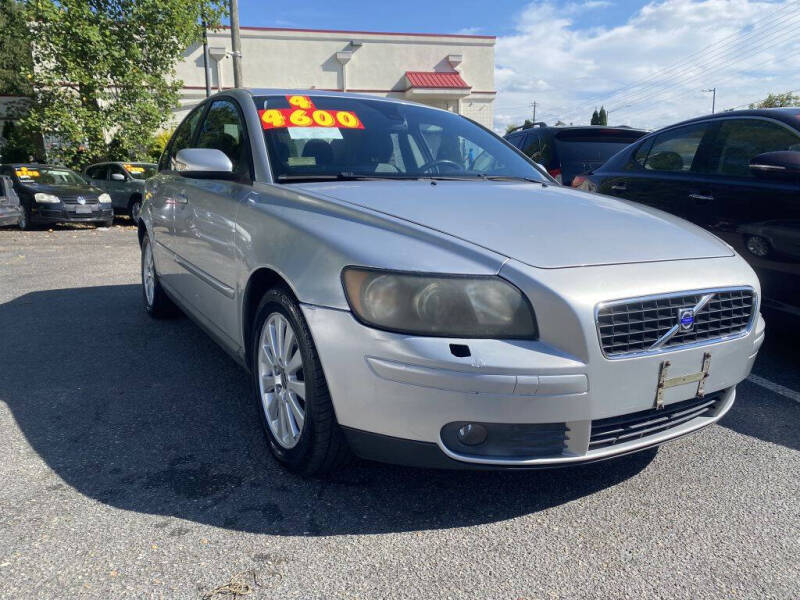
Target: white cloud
[568,68]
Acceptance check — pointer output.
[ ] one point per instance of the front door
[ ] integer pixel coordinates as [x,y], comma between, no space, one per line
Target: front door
[205,219]
[668,172]
[9,203]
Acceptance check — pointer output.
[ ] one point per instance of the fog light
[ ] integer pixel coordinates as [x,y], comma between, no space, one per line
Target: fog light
[472,434]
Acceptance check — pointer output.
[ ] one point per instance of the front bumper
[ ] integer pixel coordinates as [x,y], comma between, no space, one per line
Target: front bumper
[68,213]
[395,395]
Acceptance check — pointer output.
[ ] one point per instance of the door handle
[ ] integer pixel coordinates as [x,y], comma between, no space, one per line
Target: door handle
[179,198]
[701,197]
[619,187]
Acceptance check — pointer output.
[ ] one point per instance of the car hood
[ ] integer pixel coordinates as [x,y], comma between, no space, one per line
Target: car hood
[543,226]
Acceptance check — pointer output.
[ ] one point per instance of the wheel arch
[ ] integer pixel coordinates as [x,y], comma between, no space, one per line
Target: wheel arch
[260,281]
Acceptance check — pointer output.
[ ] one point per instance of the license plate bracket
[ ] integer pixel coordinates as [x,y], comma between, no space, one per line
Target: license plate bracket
[665,383]
[83,210]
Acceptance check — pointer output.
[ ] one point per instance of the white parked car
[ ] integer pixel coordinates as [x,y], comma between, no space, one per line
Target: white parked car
[405,285]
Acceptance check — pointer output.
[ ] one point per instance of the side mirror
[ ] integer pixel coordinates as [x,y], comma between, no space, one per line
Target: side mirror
[117,177]
[204,163]
[783,165]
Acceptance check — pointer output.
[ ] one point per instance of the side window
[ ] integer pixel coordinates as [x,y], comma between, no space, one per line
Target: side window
[180,139]
[640,156]
[515,140]
[98,172]
[116,170]
[531,146]
[739,140]
[223,130]
[675,150]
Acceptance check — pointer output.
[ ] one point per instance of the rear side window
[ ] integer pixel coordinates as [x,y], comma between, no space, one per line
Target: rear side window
[740,140]
[676,150]
[181,138]
[223,130]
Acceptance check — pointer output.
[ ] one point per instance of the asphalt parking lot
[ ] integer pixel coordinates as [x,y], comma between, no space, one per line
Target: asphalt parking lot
[133,465]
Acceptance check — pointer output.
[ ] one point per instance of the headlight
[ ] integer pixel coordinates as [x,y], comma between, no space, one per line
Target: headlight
[104,198]
[43,198]
[439,305]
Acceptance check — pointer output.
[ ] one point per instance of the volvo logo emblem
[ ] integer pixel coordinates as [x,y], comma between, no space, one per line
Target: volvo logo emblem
[81,200]
[686,319]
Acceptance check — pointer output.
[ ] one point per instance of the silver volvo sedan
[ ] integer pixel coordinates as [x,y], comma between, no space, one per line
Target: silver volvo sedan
[404,285]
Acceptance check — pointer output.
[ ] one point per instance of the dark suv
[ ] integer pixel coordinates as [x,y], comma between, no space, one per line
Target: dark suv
[569,151]
[735,173]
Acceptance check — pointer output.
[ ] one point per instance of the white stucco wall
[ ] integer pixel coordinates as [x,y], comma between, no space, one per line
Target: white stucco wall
[307,59]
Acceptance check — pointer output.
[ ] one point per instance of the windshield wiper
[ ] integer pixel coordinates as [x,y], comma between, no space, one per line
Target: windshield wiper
[510,178]
[342,176]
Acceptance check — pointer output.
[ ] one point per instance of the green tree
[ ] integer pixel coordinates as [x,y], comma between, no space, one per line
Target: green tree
[778,100]
[602,117]
[15,50]
[20,144]
[104,80]
[595,118]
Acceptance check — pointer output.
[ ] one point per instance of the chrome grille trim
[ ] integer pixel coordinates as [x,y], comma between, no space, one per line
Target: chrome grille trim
[647,325]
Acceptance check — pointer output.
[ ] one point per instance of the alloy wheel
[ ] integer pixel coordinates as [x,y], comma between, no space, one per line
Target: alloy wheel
[148,274]
[281,380]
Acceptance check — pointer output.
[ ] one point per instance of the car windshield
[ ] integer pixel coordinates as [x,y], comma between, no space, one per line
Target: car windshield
[310,137]
[140,170]
[48,175]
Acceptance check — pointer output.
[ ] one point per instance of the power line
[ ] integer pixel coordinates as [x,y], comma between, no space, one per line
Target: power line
[724,46]
[697,71]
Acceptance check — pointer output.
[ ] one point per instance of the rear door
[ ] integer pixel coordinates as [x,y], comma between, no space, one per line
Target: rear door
[760,217]
[205,222]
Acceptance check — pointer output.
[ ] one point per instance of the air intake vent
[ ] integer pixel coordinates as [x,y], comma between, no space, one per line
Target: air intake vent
[633,426]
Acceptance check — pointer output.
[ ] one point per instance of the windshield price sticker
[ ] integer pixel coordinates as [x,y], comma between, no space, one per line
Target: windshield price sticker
[26,173]
[133,169]
[304,114]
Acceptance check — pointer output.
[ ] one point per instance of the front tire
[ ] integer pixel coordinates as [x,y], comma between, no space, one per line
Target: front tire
[156,302]
[290,390]
[134,210]
[25,219]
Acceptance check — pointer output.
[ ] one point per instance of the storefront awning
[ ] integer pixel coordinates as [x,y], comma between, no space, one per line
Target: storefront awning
[434,84]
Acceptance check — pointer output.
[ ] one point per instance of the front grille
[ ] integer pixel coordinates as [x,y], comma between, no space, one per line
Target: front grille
[90,198]
[632,326]
[626,428]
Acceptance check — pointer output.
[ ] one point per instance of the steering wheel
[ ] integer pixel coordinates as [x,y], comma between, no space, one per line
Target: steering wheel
[435,163]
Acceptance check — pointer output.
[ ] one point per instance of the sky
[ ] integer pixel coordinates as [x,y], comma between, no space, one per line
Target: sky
[648,62]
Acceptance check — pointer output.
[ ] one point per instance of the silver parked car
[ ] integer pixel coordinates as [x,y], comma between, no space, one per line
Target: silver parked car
[10,209]
[124,182]
[403,284]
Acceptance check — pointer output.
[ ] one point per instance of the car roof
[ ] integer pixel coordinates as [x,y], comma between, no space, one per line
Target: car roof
[789,115]
[35,165]
[585,128]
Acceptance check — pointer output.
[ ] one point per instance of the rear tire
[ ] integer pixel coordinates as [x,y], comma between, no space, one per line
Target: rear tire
[156,302]
[317,445]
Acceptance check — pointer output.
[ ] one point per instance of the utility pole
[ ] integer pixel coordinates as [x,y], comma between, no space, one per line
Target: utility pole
[236,45]
[533,105]
[206,67]
[713,98]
